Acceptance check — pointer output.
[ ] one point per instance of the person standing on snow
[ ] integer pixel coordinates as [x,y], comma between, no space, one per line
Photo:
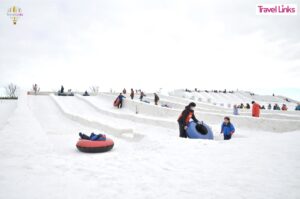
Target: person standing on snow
[156,98]
[269,107]
[62,89]
[247,106]
[132,94]
[184,119]
[284,107]
[235,110]
[124,91]
[142,95]
[255,109]
[227,129]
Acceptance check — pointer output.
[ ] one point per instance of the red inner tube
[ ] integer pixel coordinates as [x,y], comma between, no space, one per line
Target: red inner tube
[94,146]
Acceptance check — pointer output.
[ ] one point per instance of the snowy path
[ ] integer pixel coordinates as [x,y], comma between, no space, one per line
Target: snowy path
[79,107]
[103,106]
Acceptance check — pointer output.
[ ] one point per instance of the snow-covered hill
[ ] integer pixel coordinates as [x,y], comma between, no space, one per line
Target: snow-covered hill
[39,158]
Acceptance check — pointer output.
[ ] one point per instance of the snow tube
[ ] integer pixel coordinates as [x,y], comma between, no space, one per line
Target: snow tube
[89,146]
[116,102]
[195,133]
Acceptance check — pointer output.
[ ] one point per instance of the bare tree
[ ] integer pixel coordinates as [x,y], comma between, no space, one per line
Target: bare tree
[35,88]
[94,89]
[11,90]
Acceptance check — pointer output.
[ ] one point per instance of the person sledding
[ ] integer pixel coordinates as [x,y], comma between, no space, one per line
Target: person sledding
[184,119]
[92,137]
[119,101]
[227,129]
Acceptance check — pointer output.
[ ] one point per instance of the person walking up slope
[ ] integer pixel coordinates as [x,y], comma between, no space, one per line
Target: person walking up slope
[255,109]
[227,129]
[185,117]
[119,101]
[132,94]
[142,95]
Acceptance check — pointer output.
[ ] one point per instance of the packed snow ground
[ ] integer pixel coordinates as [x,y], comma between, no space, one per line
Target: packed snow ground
[39,158]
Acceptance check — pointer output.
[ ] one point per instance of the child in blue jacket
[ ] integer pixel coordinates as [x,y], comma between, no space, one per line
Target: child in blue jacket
[227,128]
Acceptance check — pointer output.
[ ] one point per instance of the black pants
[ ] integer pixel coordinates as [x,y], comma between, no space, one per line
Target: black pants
[182,131]
[120,104]
[227,137]
[84,136]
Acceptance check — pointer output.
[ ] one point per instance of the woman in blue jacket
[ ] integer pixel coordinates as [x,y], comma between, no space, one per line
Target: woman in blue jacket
[227,128]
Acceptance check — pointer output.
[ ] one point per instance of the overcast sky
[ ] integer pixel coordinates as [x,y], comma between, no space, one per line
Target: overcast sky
[149,44]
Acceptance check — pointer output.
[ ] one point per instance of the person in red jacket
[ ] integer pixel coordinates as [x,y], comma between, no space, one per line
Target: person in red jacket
[255,109]
[185,117]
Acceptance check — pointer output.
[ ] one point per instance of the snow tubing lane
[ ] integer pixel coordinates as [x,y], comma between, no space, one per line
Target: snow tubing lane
[193,133]
[89,146]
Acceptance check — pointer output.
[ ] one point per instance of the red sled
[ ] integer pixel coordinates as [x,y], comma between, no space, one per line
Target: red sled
[117,102]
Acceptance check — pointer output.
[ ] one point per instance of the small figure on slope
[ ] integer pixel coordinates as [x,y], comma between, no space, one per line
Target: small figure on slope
[227,129]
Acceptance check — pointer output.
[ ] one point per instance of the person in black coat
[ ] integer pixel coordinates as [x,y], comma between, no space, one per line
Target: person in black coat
[132,94]
[185,117]
[248,106]
[156,98]
[142,95]
[62,89]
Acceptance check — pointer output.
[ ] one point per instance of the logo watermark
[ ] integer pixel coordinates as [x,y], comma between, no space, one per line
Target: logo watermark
[276,9]
[14,13]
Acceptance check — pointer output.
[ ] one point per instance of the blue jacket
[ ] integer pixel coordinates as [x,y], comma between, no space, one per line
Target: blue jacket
[297,108]
[227,129]
[121,97]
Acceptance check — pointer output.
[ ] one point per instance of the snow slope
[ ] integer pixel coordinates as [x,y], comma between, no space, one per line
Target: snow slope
[39,158]
[7,107]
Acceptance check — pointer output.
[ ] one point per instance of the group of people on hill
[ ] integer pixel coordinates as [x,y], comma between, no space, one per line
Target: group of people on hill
[242,106]
[61,92]
[275,107]
[256,108]
[227,128]
[207,91]
[120,99]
